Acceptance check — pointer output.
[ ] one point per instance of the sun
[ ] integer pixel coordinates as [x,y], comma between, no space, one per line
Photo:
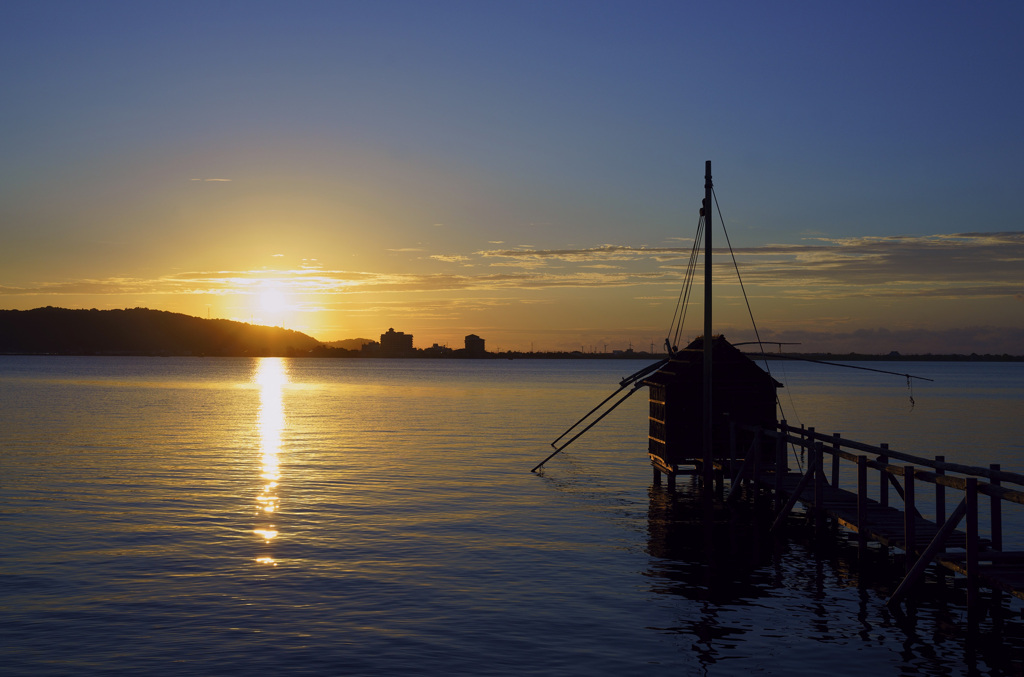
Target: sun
[273,300]
[277,300]
[272,303]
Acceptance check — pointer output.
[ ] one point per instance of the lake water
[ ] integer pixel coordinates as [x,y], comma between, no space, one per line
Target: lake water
[377,517]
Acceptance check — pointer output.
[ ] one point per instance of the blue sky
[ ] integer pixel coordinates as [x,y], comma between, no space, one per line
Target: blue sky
[525,171]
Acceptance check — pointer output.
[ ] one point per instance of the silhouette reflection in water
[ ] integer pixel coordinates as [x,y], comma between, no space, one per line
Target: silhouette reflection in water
[743,583]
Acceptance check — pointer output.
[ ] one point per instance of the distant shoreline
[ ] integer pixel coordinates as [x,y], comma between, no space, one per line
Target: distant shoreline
[143,332]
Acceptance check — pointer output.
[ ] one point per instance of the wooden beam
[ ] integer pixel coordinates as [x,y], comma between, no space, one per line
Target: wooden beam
[937,544]
[780,519]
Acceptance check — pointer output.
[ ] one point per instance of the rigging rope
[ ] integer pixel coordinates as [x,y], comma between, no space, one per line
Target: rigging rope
[736,266]
[675,330]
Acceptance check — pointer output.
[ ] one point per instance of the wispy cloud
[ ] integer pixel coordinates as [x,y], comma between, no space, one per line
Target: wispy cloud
[972,339]
[601,253]
[965,265]
[954,265]
[209,179]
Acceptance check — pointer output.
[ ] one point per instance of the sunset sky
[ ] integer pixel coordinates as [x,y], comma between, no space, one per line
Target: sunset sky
[528,171]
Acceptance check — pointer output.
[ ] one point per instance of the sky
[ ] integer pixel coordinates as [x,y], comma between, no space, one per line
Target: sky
[527,171]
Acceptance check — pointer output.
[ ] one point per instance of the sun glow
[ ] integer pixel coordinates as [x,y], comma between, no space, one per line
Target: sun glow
[273,303]
[291,298]
[272,299]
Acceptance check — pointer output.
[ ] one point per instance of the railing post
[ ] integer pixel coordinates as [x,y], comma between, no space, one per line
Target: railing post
[732,448]
[780,470]
[783,433]
[862,501]
[755,450]
[940,493]
[819,488]
[997,513]
[972,544]
[782,449]
[883,487]
[803,442]
[781,443]
[811,451]
[909,527]
[757,471]
[835,460]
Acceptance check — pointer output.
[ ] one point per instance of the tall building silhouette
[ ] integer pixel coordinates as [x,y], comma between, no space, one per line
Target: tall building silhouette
[474,345]
[395,343]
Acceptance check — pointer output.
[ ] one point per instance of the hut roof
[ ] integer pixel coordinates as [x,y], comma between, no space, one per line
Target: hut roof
[729,362]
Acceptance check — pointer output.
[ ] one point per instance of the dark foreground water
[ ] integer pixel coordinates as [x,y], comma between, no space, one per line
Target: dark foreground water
[359,517]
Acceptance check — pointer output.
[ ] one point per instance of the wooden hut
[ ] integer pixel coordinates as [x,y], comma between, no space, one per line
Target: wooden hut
[741,392]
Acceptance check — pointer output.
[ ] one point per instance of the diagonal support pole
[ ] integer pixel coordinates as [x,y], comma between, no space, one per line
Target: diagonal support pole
[623,384]
[928,555]
[755,448]
[813,467]
[592,424]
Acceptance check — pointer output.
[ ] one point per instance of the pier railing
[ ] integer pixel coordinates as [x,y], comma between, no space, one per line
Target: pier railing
[857,493]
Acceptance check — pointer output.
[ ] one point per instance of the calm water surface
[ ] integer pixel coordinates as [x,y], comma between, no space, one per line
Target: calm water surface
[373,517]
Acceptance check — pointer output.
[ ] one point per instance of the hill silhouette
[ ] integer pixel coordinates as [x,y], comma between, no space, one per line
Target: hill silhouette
[349,344]
[140,331]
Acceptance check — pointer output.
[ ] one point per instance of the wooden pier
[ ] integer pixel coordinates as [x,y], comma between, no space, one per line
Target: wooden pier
[849,483]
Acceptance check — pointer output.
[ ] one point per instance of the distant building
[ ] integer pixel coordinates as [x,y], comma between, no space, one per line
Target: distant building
[474,345]
[395,343]
[437,351]
[370,348]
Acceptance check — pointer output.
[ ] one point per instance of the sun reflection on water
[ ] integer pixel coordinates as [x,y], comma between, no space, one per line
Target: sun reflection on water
[271,376]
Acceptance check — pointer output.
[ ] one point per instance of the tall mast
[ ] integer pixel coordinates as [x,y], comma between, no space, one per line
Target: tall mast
[707,449]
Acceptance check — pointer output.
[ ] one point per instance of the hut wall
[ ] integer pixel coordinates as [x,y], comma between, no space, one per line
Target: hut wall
[676,412]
